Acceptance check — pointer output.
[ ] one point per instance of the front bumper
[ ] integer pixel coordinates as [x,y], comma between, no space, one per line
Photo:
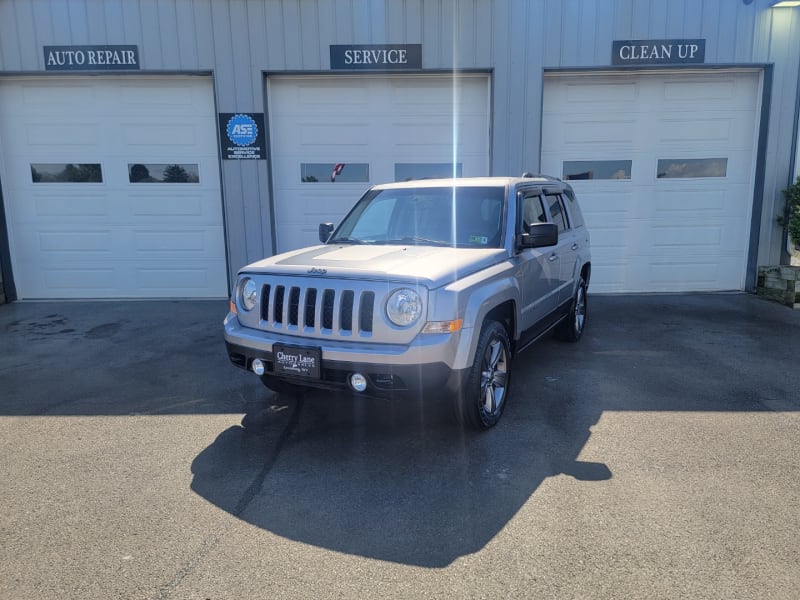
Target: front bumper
[417,370]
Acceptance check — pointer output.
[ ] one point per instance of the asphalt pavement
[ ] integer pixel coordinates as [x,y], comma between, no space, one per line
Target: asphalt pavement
[656,458]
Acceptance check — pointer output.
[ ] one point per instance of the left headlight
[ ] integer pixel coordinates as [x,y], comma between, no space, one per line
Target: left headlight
[404,307]
[248,293]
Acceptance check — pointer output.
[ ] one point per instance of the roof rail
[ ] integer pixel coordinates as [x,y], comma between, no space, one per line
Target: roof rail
[528,175]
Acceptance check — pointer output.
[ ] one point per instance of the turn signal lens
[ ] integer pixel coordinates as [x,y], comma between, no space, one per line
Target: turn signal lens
[231,306]
[443,326]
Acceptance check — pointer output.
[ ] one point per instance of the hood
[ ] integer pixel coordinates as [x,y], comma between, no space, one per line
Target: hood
[428,265]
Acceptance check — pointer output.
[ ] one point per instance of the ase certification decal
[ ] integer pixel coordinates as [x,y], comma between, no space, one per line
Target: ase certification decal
[241,135]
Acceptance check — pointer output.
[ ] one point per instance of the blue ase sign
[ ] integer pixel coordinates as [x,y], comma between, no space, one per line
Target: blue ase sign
[241,136]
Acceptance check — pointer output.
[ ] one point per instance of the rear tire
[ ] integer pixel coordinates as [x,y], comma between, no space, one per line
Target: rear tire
[571,328]
[480,404]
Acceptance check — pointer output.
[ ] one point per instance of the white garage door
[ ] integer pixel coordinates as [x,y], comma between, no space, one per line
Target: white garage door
[664,168]
[359,131]
[111,187]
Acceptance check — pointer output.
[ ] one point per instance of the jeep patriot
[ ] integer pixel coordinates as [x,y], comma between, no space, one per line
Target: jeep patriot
[426,288]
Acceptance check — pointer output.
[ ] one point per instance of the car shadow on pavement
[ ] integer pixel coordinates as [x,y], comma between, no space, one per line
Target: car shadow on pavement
[394,482]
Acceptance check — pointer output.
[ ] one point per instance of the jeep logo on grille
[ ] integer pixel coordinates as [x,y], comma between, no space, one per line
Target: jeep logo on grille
[316,271]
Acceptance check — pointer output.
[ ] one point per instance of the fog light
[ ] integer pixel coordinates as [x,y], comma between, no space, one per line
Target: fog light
[358,382]
[258,366]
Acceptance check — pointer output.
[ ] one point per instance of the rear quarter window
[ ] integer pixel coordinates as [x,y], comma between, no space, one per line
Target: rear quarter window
[574,209]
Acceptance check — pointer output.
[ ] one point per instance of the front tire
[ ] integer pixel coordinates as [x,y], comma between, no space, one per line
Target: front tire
[480,404]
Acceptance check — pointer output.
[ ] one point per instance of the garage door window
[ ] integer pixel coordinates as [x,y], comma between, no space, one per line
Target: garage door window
[334,172]
[687,168]
[163,173]
[66,173]
[412,171]
[597,169]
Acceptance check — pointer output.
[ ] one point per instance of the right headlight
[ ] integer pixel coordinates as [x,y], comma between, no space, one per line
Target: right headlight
[248,293]
[404,307]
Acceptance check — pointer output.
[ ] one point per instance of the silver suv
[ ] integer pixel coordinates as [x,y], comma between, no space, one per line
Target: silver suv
[426,288]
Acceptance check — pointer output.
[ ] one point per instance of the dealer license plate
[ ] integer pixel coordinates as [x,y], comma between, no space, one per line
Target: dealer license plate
[297,361]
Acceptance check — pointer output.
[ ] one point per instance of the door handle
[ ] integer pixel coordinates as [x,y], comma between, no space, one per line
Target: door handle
[552,257]
[575,246]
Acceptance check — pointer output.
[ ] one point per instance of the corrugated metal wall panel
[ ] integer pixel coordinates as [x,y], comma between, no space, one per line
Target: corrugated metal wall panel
[516,39]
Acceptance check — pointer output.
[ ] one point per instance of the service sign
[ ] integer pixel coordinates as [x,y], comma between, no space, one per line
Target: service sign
[241,136]
[658,52]
[379,57]
[91,58]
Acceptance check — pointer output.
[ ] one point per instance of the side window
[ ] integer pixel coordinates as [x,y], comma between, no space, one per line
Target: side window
[575,215]
[532,211]
[554,203]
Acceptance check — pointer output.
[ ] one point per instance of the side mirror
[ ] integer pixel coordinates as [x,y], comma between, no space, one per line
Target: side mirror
[538,235]
[325,231]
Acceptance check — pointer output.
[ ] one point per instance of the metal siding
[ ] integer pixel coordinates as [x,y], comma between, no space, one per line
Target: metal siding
[132,20]
[431,26]
[516,39]
[692,19]
[447,36]
[784,51]
[24,21]
[113,21]
[168,28]
[96,25]
[78,16]
[240,56]
[204,26]
[10,43]
[150,32]
[186,37]
[313,55]
[395,23]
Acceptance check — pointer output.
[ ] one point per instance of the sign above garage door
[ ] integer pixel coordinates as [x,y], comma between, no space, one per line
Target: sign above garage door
[658,52]
[91,58]
[376,56]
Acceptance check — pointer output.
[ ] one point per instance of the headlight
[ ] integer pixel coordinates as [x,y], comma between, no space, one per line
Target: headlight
[248,291]
[404,307]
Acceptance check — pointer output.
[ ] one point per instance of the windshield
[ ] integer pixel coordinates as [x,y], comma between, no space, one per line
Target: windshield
[464,217]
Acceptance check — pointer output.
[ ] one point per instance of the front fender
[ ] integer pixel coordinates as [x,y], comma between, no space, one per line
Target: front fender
[476,296]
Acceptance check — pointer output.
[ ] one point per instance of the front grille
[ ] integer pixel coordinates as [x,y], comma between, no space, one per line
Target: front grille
[317,310]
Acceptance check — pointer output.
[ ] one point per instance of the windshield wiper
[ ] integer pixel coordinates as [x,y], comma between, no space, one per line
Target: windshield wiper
[346,240]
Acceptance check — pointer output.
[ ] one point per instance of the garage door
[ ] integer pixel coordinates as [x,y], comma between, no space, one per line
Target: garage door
[664,167]
[333,137]
[111,187]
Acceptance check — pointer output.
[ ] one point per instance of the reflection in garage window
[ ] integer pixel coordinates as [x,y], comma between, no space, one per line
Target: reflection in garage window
[334,172]
[672,168]
[66,173]
[163,173]
[596,169]
[412,171]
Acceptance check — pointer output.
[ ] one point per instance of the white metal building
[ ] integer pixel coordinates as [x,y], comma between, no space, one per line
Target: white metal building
[141,161]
